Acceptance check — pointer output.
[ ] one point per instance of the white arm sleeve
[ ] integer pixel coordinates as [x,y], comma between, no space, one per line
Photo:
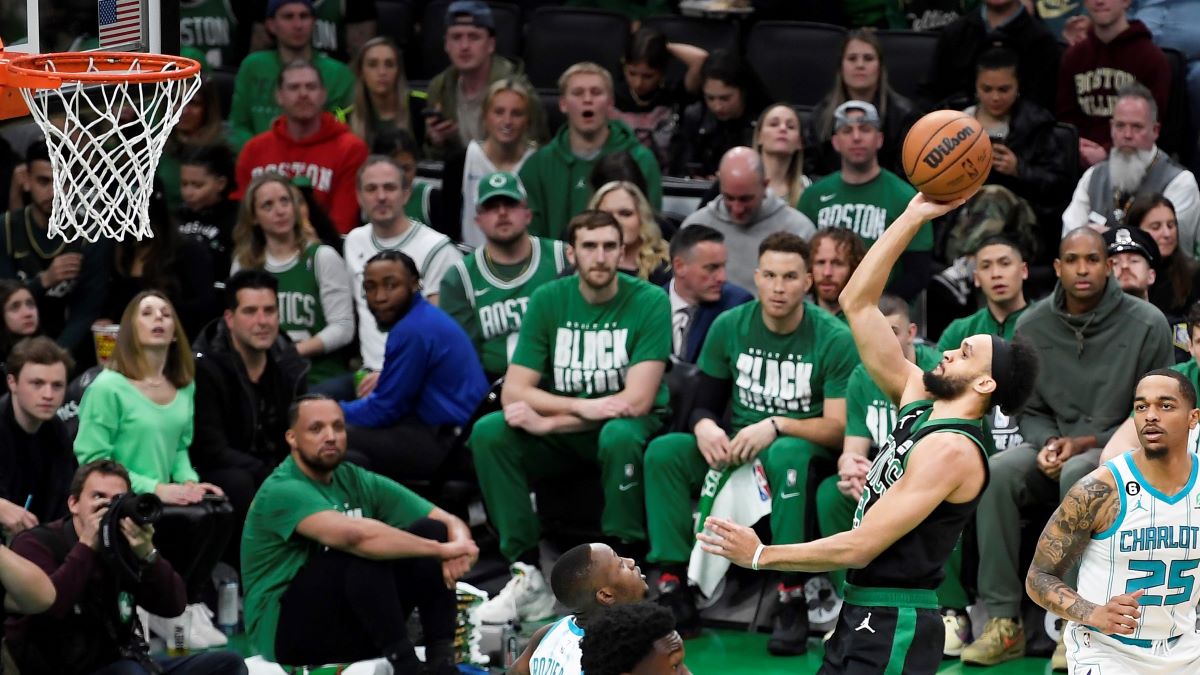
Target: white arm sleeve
[1077,211]
[337,303]
[439,264]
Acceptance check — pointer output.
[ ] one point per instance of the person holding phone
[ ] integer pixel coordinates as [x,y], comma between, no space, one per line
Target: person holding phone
[1026,157]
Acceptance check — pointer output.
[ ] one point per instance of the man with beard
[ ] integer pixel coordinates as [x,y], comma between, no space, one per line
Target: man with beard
[488,292]
[588,579]
[1000,274]
[781,365]
[1136,165]
[335,558]
[836,253]
[1128,525]
[600,341]
[431,382]
[1100,342]
[1134,259]
[922,487]
[864,197]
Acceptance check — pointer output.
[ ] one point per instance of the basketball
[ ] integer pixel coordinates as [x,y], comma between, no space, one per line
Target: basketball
[947,155]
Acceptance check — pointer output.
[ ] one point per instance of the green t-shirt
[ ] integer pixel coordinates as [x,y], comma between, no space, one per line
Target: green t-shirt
[586,350]
[272,552]
[417,206]
[979,323]
[788,375]
[488,299]
[117,421]
[1192,371]
[212,27]
[869,412]
[868,209]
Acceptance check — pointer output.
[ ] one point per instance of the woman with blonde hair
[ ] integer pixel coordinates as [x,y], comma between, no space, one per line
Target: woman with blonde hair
[505,147]
[646,252]
[316,308]
[778,139]
[862,76]
[139,412]
[380,90]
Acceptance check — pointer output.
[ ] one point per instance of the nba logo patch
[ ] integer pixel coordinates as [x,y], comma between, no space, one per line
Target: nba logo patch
[791,477]
[629,471]
[760,478]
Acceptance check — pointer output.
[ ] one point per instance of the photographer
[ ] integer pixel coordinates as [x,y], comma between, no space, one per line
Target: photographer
[92,627]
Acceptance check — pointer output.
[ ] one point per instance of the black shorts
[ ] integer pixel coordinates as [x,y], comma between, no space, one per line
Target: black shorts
[878,640]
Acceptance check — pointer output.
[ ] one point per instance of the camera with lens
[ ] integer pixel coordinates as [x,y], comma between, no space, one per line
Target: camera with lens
[143,510]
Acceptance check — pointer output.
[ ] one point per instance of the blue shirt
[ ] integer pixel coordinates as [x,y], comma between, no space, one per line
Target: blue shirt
[430,369]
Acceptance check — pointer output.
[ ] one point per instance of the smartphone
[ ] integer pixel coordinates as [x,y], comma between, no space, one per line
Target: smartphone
[997,136]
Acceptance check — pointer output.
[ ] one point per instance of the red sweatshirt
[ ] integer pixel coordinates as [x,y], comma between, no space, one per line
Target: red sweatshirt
[329,159]
[1092,72]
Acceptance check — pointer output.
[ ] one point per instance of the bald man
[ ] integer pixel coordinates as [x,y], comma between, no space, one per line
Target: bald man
[586,579]
[746,212]
[1097,342]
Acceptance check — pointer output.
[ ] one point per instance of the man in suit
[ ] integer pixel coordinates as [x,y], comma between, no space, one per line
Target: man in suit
[698,290]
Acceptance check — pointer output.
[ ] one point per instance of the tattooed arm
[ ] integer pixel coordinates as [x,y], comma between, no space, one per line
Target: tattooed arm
[1089,507]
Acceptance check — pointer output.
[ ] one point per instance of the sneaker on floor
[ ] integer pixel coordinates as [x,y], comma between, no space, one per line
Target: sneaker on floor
[1058,662]
[1002,640]
[789,635]
[526,597]
[166,628]
[958,631]
[675,594]
[202,625]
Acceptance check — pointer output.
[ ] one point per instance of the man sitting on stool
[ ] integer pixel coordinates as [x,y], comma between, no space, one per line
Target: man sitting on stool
[431,376]
[334,557]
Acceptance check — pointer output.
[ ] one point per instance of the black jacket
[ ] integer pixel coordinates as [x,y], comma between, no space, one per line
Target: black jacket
[820,159]
[703,139]
[37,466]
[1044,177]
[951,80]
[226,416]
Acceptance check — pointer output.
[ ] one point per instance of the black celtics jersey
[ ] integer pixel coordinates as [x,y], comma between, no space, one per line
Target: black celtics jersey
[916,559]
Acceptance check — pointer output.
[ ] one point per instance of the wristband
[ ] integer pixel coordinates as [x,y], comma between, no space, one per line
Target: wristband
[774,426]
[757,554]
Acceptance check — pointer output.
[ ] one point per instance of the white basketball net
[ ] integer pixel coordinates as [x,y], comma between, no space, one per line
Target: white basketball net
[105,141]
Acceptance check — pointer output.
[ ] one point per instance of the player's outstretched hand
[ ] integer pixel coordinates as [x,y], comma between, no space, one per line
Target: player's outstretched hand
[729,540]
[928,209]
[1119,616]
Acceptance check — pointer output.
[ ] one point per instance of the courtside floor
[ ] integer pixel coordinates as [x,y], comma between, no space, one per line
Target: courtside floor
[731,652]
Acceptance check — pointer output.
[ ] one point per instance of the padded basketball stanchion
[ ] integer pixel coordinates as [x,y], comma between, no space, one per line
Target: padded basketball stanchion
[106,117]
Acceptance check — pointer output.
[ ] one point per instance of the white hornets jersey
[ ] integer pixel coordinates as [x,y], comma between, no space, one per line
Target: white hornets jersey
[558,653]
[1153,545]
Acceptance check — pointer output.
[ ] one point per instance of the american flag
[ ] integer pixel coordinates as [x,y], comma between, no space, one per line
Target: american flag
[120,22]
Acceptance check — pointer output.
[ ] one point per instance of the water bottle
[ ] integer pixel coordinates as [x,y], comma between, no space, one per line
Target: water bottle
[227,607]
[508,642]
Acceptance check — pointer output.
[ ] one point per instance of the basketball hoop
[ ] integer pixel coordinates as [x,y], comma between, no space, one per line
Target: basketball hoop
[106,117]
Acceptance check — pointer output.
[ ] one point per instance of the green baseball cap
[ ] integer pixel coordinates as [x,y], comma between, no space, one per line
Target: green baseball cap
[499,184]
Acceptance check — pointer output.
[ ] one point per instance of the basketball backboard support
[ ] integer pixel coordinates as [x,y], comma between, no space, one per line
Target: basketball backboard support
[43,26]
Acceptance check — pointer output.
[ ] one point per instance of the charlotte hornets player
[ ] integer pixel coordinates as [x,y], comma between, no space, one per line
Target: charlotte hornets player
[1133,525]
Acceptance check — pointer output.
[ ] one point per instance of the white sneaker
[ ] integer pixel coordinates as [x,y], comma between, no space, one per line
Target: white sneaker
[958,632]
[526,597]
[165,628]
[202,626]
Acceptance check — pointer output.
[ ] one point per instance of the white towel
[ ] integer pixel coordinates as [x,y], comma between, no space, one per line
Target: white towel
[741,495]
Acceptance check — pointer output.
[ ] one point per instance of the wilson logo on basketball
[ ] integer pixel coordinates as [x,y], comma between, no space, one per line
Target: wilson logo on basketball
[942,150]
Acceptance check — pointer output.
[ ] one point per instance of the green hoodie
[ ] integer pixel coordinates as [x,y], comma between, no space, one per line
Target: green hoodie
[558,182]
[1090,363]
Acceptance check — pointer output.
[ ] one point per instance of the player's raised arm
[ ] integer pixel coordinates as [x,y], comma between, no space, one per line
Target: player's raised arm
[877,347]
[1089,507]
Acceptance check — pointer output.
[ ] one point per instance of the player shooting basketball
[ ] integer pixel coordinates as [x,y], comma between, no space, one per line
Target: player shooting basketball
[922,487]
[1133,526]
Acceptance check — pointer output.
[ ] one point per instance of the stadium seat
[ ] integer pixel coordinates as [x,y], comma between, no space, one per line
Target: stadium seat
[708,34]
[393,19]
[557,37]
[432,52]
[795,60]
[1176,137]
[554,116]
[907,55]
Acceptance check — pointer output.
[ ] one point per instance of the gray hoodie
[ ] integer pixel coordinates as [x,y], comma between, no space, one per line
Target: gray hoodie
[1091,363]
[742,240]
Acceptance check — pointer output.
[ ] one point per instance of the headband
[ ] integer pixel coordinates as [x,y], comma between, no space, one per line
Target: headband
[1001,365]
